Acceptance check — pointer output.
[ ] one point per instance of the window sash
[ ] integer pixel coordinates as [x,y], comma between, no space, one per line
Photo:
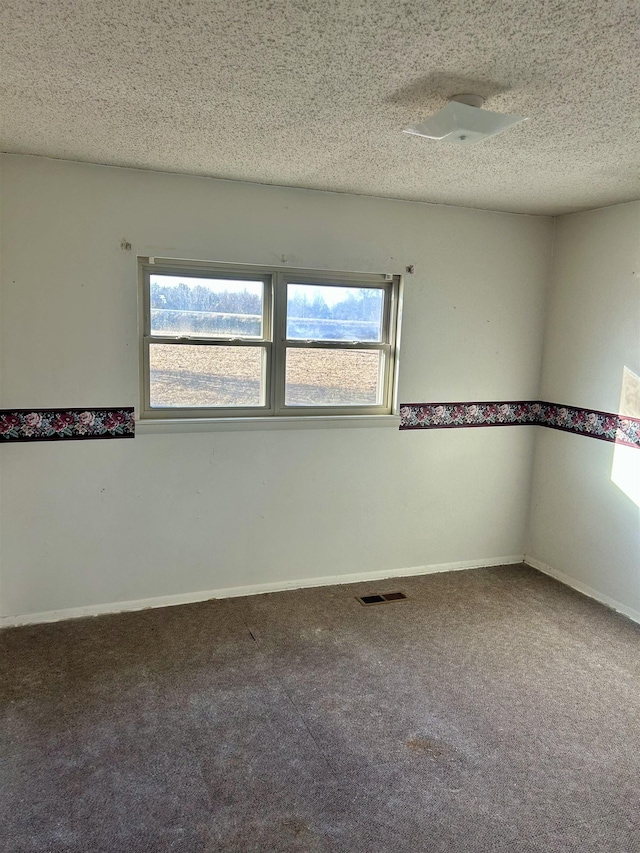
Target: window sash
[274,339]
[203,411]
[208,273]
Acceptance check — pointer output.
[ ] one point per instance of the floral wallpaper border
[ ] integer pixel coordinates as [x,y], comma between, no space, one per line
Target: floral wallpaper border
[58,424]
[606,426]
[590,422]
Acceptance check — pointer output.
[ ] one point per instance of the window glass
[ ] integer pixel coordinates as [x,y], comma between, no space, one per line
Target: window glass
[206,307]
[186,376]
[333,377]
[334,313]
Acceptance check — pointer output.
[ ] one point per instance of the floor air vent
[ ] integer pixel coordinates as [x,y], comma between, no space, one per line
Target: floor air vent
[381,599]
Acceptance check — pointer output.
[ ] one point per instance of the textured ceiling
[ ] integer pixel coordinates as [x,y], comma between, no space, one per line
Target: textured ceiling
[315,93]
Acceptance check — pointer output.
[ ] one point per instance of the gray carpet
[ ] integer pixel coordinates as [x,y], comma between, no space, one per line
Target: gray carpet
[494,710]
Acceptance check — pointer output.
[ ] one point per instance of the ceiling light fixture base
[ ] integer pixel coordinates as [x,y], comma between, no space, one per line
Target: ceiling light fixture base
[462,121]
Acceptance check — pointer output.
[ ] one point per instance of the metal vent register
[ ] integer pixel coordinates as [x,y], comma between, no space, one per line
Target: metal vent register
[379,598]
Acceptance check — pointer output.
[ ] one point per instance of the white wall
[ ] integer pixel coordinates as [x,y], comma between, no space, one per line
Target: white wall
[585,516]
[101,522]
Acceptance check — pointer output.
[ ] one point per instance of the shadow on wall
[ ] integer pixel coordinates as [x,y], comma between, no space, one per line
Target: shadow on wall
[625,470]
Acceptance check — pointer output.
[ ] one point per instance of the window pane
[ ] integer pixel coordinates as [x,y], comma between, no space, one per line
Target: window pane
[203,376]
[334,313]
[328,377]
[206,307]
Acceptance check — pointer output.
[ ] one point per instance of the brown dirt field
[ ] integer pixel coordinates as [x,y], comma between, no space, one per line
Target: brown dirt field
[192,376]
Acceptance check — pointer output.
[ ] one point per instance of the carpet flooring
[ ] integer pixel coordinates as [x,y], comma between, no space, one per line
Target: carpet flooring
[493,710]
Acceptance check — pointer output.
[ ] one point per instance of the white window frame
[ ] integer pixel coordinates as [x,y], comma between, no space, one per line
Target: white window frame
[273,341]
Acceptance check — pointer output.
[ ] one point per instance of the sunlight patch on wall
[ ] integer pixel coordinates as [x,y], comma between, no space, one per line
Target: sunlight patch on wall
[625,471]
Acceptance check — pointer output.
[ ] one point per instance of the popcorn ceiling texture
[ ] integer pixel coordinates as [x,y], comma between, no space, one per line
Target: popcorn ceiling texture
[315,94]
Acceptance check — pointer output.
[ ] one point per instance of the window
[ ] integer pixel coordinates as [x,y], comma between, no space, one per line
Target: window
[223,341]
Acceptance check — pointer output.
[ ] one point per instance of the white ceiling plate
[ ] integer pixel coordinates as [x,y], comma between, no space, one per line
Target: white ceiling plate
[316,93]
[462,124]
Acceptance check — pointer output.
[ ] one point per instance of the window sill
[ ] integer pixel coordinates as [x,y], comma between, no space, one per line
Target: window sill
[153,426]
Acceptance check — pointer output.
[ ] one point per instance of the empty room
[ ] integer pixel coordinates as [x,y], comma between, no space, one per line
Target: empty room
[320,426]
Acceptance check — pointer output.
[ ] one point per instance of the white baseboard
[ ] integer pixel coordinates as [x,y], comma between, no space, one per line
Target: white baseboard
[583,588]
[251,589]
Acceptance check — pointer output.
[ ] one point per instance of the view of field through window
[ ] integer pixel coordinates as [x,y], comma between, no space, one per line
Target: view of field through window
[201,375]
